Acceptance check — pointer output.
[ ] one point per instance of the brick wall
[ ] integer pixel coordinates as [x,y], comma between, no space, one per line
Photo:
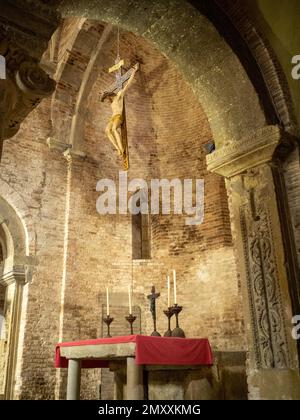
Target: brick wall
[81,252]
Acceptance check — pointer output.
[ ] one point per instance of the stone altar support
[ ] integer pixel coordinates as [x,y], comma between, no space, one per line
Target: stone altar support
[129,357]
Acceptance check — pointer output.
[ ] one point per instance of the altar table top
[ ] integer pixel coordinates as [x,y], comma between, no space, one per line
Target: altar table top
[147,351]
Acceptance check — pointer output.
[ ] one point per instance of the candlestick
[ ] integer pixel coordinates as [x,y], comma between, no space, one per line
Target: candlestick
[177,332]
[129,297]
[175,291]
[169,313]
[108,320]
[168,283]
[107,302]
[131,320]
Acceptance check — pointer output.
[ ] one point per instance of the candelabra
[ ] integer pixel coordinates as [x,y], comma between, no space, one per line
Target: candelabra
[108,320]
[177,332]
[130,318]
[169,313]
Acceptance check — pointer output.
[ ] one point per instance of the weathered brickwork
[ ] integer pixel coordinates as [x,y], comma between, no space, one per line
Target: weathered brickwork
[79,252]
[213,76]
[37,175]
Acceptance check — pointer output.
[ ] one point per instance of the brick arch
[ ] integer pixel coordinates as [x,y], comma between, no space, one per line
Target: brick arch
[188,38]
[82,53]
[266,60]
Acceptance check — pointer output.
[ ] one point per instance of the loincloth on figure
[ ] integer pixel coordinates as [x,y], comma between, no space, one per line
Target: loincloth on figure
[117,119]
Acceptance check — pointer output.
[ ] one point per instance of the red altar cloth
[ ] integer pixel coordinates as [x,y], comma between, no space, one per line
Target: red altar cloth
[149,351]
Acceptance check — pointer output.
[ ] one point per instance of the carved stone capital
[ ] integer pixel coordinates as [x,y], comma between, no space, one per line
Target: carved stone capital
[25,86]
[238,157]
[16,275]
[25,29]
[33,81]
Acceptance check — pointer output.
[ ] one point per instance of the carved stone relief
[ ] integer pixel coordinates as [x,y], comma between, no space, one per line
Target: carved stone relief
[263,285]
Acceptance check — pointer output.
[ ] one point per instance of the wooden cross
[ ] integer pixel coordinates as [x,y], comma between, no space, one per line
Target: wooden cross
[117,86]
[120,78]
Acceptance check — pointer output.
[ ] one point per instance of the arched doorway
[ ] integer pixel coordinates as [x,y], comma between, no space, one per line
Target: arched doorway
[12,279]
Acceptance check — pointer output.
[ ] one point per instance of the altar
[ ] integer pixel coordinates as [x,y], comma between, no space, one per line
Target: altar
[144,367]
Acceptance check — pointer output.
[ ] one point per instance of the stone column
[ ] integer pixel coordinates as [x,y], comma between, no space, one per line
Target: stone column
[119,370]
[14,281]
[74,375]
[135,386]
[272,354]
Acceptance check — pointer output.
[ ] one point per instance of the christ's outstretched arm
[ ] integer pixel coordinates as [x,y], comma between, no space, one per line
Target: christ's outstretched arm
[130,80]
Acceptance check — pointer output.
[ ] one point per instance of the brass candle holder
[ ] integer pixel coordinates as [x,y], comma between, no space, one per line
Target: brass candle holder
[108,320]
[130,318]
[169,313]
[177,332]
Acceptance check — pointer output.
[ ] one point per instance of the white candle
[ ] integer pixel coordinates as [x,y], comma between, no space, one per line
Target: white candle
[129,296]
[169,300]
[175,291]
[107,302]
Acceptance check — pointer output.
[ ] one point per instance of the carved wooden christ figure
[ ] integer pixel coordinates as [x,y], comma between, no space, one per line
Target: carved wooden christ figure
[116,128]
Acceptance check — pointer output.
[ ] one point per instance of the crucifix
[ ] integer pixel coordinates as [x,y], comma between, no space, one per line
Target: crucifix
[116,129]
[152,299]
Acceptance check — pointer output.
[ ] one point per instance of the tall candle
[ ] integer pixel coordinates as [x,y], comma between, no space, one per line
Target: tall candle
[107,302]
[175,291]
[169,300]
[130,303]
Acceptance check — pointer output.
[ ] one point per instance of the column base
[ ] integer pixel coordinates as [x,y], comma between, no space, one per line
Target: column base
[274,384]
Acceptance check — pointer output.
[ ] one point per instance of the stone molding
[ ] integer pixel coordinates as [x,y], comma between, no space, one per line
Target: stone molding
[55,144]
[66,148]
[239,156]
[16,275]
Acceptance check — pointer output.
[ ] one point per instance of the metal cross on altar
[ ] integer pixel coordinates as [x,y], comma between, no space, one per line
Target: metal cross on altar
[152,299]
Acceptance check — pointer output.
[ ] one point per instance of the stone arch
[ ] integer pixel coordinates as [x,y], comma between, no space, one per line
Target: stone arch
[214,72]
[16,271]
[13,233]
[265,59]
[71,105]
[220,83]
[16,210]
